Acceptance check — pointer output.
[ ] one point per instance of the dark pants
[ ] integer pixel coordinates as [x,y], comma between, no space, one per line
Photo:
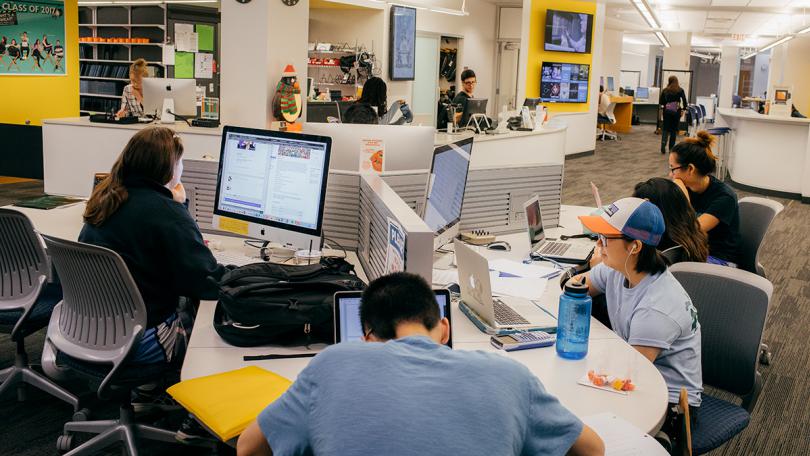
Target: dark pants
[672,135]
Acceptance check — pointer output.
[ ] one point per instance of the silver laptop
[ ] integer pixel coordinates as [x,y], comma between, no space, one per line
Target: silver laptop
[500,313]
[567,252]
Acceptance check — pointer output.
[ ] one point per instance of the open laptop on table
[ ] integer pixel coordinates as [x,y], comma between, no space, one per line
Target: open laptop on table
[498,313]
[566,252]
[347,315]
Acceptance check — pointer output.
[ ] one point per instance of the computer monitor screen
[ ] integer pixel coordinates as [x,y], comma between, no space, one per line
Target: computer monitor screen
[643,93]
[610,85]
[568,32]
[322,111]
[532,102]
[446,184]
[348,327]
[629,92]
[182,91]
[780,96]
[534,221]
[564,82]
[273,179]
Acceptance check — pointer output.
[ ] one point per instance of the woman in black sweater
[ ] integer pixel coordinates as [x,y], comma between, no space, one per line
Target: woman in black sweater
[673,102]
[138,212]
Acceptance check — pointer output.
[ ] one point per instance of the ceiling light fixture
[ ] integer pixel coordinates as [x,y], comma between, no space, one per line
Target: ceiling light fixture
[647,13]
[702,56]
[663,39]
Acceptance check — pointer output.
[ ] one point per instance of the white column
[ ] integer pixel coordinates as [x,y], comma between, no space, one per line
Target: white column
[676,57]
[258,40]
[612,54]
[729,70]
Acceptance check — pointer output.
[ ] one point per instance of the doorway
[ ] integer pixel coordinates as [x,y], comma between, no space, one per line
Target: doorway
[508,60]
[425,94]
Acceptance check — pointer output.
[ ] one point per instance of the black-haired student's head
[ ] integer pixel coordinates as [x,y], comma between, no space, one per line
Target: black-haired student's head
[360,113]
[400,305]
[692,158]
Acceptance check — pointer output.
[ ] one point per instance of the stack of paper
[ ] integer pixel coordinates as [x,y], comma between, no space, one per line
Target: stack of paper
[519,269]
[227,403]
[622,438]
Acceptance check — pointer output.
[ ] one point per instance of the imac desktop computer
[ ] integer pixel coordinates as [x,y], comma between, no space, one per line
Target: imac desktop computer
[178,96]
[274,181]
[445,190]
[642,93]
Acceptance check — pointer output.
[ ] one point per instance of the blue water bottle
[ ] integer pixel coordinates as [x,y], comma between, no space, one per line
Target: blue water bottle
[574,321]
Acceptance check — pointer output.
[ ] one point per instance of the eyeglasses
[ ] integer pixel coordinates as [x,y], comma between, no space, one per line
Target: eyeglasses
[672,170]
[469,82]
[604,239]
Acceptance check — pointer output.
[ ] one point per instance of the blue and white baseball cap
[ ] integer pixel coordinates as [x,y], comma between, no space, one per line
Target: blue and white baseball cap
[633,217]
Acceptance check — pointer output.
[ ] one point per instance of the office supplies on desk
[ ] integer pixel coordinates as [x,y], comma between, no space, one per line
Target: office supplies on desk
[623,438]
[228,402]
[523,341]
[47,202]
[277,356]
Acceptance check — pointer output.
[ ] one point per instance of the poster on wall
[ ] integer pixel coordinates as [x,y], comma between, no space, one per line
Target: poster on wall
[402,55]
[32,37]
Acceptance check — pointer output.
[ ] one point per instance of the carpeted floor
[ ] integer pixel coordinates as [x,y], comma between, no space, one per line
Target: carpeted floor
[778,424]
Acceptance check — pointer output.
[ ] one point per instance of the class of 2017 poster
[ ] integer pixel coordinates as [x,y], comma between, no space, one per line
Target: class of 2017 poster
[32,37]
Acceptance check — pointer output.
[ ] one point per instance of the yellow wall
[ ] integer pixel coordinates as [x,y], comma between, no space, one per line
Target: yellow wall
[33,98]
[536,56]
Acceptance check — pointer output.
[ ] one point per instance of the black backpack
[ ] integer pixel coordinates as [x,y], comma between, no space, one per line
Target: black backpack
[276,304]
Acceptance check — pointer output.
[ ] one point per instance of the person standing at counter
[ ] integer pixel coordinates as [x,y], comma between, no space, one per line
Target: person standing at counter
[671,98]
[375,94]
[692,162]
[132,98]
[468,82]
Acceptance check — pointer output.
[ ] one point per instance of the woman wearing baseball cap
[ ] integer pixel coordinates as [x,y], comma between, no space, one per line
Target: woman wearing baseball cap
[647,306]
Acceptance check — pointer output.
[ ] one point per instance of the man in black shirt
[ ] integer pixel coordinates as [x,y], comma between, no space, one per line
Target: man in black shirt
[468,82]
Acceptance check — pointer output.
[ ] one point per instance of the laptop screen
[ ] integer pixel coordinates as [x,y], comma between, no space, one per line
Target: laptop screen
[534,221]
[347,315]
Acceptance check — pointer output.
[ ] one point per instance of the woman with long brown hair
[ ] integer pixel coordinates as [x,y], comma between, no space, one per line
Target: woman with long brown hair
[138,212]
[132,97]
[673,102]
[682,227]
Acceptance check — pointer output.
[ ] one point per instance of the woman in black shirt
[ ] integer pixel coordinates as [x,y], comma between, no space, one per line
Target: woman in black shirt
[692,162]
[672,101]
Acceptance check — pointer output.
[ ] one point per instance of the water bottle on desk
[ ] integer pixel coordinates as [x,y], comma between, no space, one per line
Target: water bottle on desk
[574,321]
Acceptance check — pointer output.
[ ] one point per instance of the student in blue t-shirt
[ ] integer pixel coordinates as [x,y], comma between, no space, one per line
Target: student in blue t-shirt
[647,306]
[404,392]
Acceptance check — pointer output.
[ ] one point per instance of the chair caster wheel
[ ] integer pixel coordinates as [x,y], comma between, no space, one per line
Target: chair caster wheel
[765,357]
[81,415]
[64,443]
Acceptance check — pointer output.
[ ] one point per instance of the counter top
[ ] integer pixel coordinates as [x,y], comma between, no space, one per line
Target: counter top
[444,138]
[750,114]
[179,127]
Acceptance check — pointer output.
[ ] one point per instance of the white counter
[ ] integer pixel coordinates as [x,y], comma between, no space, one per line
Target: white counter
[74,149]
[546,146]
[768,152]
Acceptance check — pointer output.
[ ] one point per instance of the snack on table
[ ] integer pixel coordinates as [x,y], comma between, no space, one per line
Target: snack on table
[609,381]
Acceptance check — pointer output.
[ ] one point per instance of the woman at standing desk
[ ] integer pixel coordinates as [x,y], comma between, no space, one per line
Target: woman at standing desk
[132,98]
[138,211]
[673,102]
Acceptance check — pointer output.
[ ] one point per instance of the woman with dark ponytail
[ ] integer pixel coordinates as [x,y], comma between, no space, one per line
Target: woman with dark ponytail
[138,211]
[692,163]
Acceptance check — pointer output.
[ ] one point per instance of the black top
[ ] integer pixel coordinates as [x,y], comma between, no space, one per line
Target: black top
[162,247]
[461,99]
[670,118]
[720,201]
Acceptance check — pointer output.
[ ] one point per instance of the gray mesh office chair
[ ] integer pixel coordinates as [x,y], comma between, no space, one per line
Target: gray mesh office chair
[26,302]
[96,326]
[732,305]
[756,215]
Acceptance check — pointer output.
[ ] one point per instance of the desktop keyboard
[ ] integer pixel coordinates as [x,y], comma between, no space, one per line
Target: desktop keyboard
[506,316]
[235,259]
[554,248]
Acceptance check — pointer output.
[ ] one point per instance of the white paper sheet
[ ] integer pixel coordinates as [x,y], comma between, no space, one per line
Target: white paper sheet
[623,438]
[518,287]
[168,54]
[185,41]
[183,28]
[522,270]
[203,65]
[445,276]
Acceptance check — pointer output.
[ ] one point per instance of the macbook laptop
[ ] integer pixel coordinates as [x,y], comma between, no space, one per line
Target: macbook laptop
[499,313]
[347,315]
[566,252]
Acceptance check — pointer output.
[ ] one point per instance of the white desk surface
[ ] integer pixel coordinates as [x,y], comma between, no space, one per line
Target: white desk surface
[645,407]
[178,126]
[750,114]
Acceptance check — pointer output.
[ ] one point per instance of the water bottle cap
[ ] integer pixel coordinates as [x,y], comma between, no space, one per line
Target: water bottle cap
[576,287]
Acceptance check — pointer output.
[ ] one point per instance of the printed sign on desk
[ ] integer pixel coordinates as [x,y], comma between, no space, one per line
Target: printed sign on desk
[32,37]
[372,156]
[395,252]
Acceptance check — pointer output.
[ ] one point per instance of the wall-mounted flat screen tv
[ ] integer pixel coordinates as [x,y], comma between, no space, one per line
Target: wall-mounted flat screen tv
[564,82]
[568,32]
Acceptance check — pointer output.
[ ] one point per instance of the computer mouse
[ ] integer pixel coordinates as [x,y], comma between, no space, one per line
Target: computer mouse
[498,246]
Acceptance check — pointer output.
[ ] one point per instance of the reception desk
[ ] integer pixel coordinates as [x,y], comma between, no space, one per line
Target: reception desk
[769,153]
[623,113]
